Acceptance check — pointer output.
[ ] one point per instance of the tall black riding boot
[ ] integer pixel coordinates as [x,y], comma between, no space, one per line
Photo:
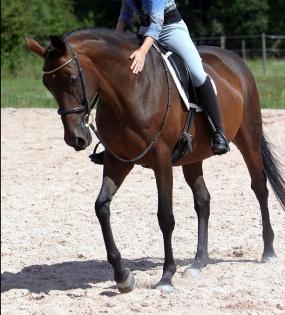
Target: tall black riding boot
[208,101]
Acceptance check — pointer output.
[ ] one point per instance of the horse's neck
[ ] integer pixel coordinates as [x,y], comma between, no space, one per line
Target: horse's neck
[110,69]
[117,84]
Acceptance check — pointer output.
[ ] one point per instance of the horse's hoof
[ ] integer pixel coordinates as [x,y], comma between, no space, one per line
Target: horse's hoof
[165,287]
[192,273]
[128,285]
[269,258]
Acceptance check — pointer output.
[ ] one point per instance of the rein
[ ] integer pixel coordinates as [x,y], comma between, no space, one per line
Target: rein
[87,107]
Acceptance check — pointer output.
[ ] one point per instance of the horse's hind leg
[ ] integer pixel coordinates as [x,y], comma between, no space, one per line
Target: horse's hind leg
[193,174]
[113,176]
[251,151]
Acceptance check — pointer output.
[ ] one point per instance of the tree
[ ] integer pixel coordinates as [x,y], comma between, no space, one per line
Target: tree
[35,18]
[194,13]
[215,17]
[244,17]
[276,17]
[96,13]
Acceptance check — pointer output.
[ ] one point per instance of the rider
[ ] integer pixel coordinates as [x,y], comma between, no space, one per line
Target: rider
[161,21]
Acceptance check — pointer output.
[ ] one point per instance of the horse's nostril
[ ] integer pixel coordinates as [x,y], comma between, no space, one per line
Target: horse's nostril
[80,142]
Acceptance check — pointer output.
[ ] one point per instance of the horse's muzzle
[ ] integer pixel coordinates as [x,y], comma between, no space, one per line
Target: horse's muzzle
[80,140]
[80,144]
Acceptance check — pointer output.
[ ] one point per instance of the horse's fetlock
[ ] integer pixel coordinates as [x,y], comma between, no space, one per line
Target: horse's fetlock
[172,268]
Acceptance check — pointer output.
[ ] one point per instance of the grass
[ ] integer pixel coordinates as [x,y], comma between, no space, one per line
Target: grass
[271,86]
[20,92]
[25,88]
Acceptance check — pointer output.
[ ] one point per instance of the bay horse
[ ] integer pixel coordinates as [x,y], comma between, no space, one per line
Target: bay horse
[131,113]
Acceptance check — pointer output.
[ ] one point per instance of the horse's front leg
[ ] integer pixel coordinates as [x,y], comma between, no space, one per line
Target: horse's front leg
[164,181]
[113,176]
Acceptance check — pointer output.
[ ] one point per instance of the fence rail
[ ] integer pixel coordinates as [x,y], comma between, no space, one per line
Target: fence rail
[249,46]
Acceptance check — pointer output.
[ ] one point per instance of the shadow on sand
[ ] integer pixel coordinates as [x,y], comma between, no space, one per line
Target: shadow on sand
[79,274]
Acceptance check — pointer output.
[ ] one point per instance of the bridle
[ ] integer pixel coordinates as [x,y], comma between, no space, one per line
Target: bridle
[87,106]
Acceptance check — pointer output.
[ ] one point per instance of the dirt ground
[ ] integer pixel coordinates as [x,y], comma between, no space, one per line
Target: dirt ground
[53,255]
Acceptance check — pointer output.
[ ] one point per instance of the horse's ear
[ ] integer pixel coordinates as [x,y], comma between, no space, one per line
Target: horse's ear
[58,43]
[34,46]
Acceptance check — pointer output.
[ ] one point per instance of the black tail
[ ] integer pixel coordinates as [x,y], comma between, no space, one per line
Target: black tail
[272,170]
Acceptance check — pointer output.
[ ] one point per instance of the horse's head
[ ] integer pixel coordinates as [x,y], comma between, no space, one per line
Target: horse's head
[67,80]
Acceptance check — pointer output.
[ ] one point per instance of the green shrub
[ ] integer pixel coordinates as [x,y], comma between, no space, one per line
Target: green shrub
[36,18]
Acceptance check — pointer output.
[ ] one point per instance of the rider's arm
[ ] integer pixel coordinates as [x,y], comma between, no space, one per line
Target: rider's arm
[147,43]
[156,18]
[156,22]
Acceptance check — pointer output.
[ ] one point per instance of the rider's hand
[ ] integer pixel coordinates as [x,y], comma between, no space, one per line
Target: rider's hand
[138,58]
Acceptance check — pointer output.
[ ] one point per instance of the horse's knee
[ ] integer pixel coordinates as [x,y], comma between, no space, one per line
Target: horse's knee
[102,204]
[102,208]
[166,222]
[202,203]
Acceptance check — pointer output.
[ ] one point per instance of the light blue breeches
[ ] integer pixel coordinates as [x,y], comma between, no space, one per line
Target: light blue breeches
[177,38]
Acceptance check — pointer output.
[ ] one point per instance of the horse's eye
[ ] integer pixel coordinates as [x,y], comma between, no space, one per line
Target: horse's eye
[73,79]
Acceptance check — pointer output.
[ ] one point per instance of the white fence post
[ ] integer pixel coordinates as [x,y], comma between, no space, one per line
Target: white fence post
[243,48]
[223,41]
[264,54]
[250,45]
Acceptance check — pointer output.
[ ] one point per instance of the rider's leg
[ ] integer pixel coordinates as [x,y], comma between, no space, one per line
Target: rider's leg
[176,37]
[208,100]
